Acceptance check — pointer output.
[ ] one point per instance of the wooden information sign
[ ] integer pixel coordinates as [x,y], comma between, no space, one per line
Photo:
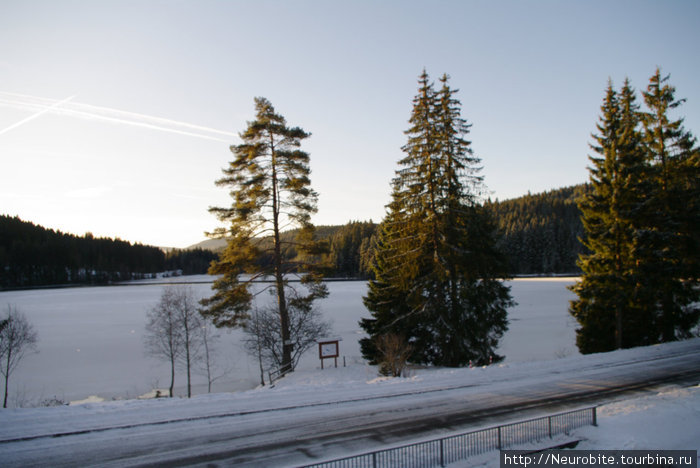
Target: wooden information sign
[328,349]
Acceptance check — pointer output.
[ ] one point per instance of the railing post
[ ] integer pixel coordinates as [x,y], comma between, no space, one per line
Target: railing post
[595,416]
[442,453]
[499,437]
[549,423]
[374,459]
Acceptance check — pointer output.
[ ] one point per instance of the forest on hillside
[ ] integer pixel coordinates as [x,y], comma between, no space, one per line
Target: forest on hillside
[539,235]
[32,256]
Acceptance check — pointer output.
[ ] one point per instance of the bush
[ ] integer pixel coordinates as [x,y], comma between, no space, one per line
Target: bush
[394,352]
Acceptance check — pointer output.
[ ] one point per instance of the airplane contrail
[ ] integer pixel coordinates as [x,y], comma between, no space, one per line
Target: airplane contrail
[114,115]
[34,116]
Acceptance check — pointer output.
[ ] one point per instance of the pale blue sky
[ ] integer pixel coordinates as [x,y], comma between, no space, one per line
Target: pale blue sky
[531,76]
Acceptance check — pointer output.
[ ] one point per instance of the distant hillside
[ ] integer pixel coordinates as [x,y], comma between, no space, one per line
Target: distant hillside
[214,245]
[539,232]
[32,255]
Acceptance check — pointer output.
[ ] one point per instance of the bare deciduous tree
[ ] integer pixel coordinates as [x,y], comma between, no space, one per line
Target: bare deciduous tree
[163,339]
[264,335]
[208,365]
[190,327]
[17,337]
[177,332]
[174,331]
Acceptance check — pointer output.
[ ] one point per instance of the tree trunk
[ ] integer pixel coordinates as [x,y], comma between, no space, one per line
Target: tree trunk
[279,274]
[259,345]
[7,376]
[205,337]
[189,379]
[172,376]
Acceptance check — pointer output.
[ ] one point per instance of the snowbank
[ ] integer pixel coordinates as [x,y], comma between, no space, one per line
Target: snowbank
[664,420]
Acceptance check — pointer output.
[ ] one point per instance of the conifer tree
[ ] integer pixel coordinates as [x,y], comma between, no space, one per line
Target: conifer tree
[640,281]
[608,307]
[269,182]
[436,267]
[671,234]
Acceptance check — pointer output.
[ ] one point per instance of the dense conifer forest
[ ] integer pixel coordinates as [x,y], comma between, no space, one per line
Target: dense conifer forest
[539,235]
[32,256]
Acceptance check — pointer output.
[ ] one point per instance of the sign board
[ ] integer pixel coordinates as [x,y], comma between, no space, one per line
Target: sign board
[328,349]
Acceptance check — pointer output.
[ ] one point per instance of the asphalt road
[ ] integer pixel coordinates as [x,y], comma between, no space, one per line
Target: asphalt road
[310,433]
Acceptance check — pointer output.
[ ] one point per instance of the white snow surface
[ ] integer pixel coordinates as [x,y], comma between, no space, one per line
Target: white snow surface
[91,338]
[667,419]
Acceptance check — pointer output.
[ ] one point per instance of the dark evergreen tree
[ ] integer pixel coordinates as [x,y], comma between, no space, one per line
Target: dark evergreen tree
[670,236]
[640,281]
[269,182]
[608,307]
[436,266]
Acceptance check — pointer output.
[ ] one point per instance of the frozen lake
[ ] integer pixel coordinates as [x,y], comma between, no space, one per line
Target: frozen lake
[91,339]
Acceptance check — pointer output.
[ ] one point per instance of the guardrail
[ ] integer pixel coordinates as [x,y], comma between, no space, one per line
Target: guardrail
[276,374]
[440,452]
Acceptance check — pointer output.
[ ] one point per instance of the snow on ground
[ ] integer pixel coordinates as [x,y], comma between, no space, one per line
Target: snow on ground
[86,332]
[667,420]
[360,383]
[91,338]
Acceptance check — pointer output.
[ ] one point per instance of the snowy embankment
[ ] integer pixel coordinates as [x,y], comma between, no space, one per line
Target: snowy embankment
[665,420]
[668,420]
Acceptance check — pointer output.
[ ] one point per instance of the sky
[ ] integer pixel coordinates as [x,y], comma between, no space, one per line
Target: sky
[116,117]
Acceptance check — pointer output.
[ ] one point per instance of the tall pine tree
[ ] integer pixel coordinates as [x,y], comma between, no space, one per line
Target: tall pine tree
[671,232]
[269,182]
[640,281]
[436,267]
[608,307]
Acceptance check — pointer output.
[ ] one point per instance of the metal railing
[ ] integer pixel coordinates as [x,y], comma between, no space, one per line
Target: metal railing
[440,452]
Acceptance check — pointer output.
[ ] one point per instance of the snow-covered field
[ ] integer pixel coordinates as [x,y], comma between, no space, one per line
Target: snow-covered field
[666,418]
[91,339]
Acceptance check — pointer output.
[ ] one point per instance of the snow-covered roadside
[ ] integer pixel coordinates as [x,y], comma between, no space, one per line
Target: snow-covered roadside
[358,384]
[666,420]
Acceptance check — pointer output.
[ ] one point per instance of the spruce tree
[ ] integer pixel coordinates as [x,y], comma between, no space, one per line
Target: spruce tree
[640,281]
[436,266]
[607,307]
[271,190]
[671,233]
